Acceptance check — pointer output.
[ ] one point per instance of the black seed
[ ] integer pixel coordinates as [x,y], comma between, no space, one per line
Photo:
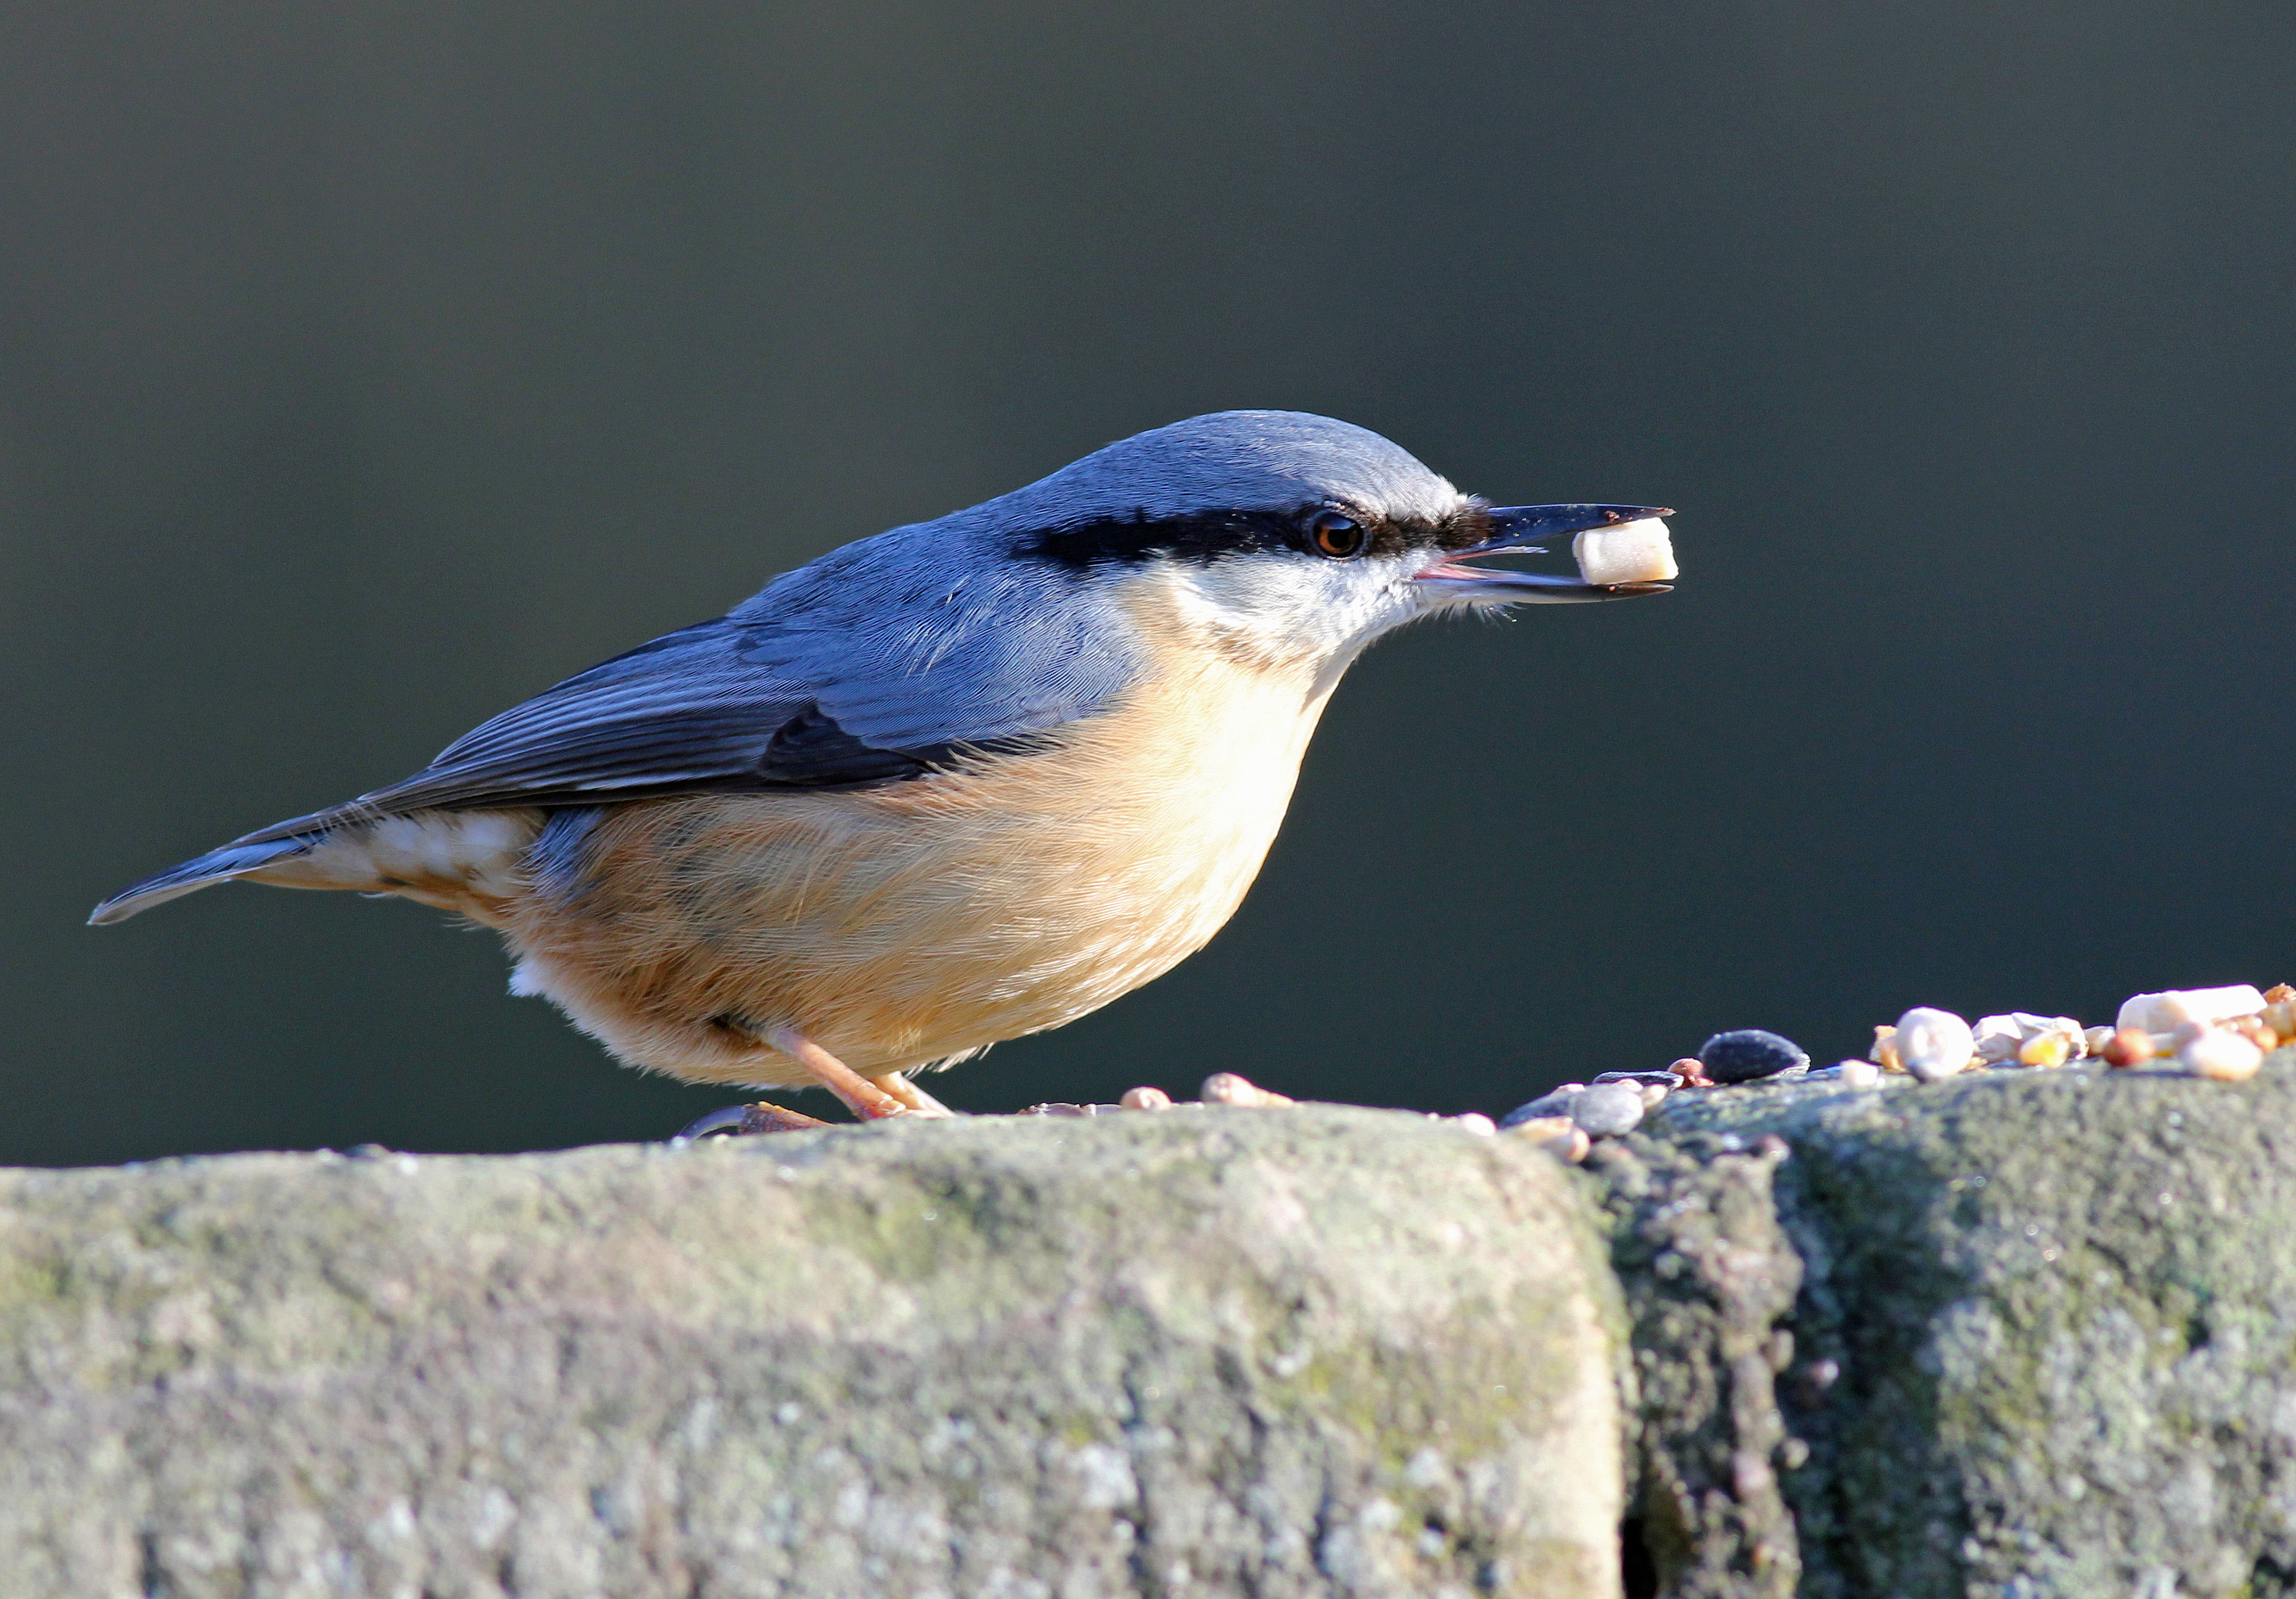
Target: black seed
[1749,1052]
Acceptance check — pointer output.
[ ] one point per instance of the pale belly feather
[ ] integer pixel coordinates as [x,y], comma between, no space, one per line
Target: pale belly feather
[911,925]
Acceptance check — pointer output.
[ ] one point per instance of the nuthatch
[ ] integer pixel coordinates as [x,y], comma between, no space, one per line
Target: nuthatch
[965,779]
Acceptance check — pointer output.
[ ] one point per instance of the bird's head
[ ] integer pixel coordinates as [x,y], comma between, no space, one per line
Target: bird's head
[1293,536]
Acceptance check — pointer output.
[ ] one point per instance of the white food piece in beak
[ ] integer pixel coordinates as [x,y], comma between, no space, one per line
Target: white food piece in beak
[2165,1013]
[1629,553]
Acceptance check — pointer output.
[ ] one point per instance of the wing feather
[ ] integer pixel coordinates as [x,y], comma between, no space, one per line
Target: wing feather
[869,665]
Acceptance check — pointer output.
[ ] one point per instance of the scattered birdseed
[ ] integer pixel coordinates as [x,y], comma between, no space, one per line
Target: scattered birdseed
[2221,1053]
[1655,1086]
[1884,1053]
[1932,1044]
[1559,1136]
[2258,1031]
[1607,1108]
[2164,1011]
[1749,1053]
[1996,1039]
[2028,1039]
[1849,1074]
[2221,1033]
[1228,1088]
[2049,1050]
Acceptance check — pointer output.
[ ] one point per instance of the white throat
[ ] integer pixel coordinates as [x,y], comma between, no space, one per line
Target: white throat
[1286,611]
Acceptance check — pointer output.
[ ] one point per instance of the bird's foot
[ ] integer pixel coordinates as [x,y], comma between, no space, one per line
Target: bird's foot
[735,1121]
[892,1095]
[913,1099]
[872,1099]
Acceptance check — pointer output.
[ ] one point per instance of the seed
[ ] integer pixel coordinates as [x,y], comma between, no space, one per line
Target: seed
[2257,1031]
[1559,1136]
[1997,1038]
[1145,1099]
[1749,1053]
[2000,1039]
[2047,1050]
[1228,1088]
[1933,1044]
[1859,1074]
[1607,1108]
[1884,1053]
[2161,1013]
[1690,1073]
[2222,1054]
[1654,1085]
[1538,1129]
[2128,1046]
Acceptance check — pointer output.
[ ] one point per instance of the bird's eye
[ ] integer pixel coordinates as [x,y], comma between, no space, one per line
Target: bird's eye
[1336,536]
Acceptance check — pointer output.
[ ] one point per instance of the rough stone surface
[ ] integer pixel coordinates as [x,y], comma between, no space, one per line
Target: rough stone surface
[2045,1345]
[1208,1352]
[1709,1276]
[2012,1335]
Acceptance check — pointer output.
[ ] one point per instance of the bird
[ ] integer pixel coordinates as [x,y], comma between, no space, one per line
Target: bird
[958,781]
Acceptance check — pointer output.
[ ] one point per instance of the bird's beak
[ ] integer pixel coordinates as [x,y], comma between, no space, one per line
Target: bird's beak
[1528,529]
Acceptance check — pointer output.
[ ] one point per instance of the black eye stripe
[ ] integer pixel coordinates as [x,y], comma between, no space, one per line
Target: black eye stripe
[1130,541]
[1215,535]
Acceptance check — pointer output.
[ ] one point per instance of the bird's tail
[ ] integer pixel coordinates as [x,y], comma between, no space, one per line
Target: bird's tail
[216,865]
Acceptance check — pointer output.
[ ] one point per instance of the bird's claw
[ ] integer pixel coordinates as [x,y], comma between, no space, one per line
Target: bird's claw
[740,1121]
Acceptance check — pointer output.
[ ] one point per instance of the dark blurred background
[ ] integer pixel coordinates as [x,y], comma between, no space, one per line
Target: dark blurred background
[368,368]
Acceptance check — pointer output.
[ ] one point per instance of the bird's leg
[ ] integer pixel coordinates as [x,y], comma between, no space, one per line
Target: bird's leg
[872,1099]
[861,1096]
[916,1099]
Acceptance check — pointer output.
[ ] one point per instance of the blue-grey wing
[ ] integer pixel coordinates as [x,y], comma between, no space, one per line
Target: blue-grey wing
[843,675]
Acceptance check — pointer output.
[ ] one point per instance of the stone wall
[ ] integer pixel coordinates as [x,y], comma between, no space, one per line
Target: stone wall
[1203,1352]
[2028,1334]
[2045,1342]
